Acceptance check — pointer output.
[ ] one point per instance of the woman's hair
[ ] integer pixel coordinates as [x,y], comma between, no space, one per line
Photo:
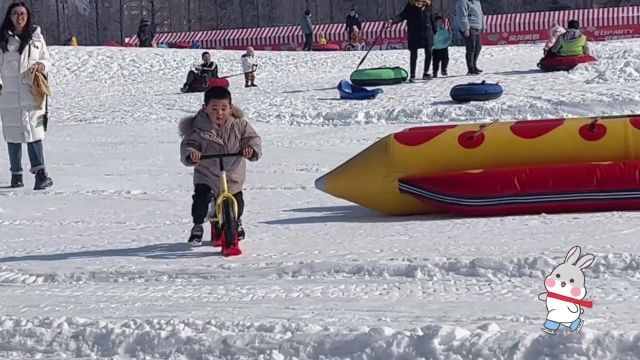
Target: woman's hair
[7,26]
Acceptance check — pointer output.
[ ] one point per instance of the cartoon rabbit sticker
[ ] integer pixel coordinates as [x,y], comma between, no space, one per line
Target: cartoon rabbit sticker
[565,293]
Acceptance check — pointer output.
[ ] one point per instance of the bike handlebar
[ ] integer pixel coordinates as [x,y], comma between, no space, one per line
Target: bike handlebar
[220,156]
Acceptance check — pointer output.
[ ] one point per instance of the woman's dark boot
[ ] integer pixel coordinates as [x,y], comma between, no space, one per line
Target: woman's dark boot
[16,181]
[42,180]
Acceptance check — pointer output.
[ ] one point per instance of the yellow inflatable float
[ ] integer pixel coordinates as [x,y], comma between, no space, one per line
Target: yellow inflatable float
[532,154]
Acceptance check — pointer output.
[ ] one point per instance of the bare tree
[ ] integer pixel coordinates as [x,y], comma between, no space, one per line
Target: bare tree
[330,10]
[122,3]
[188,15]
[243,23]
[58,24]
[96,9]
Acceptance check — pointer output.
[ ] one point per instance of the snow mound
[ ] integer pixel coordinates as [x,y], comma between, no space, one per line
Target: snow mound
[193,339]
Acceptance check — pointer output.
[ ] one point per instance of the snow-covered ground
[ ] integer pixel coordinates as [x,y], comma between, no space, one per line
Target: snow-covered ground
[98,266]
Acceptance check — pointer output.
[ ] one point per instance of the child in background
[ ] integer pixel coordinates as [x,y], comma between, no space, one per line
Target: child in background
[554,33]
[441,42]
[249,66]
[357,40]
[322,40]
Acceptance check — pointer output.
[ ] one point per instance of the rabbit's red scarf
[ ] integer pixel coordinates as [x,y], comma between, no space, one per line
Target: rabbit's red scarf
[587,304]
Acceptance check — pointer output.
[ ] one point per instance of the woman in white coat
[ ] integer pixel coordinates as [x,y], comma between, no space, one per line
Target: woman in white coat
[22,47]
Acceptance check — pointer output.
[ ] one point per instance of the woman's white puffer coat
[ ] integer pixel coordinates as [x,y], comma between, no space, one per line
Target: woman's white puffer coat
[20,114]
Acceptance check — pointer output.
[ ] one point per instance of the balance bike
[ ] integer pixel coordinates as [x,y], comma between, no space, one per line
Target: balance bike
[225,210]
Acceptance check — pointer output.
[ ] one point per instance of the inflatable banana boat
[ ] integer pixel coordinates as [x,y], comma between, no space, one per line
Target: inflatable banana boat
[497,168]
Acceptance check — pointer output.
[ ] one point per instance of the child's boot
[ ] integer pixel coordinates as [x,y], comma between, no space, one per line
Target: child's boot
[196,235]
[240,230]
[444,72]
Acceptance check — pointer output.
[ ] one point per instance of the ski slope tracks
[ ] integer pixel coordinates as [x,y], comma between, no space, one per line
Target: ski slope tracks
[97,267]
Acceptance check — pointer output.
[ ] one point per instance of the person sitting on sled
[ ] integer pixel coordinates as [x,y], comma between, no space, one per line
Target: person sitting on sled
[203,72]
[322,40]
[357,40]
[554,33]
[249,66]
[219,127]
[572,42]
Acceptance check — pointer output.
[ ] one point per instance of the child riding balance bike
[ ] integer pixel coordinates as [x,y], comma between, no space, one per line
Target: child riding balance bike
[214,141]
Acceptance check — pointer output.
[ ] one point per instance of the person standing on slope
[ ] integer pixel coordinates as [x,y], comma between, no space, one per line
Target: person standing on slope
[22,51]
[307,30]
[249,66]
[353,20]
[145,33]
[471,23]
[421,26]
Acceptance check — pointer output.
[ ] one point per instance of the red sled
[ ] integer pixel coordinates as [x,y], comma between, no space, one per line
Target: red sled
[584,187]
[201,86]
[564,63]
[213,82]
[326,47]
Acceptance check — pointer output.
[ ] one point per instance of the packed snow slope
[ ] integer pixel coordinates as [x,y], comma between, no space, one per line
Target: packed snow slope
[98,265]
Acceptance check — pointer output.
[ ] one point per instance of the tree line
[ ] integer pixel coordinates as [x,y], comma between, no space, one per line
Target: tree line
[93,22]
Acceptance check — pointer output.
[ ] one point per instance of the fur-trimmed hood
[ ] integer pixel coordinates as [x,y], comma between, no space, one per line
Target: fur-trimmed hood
[199,134]
[201,121]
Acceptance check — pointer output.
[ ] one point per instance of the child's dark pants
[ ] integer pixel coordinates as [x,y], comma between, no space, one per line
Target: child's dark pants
[440,56]
[202,196]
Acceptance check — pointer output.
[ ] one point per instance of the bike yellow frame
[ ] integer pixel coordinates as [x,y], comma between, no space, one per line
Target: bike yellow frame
[225,194]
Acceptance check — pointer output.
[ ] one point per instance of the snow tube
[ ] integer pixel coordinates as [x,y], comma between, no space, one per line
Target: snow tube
[475,92]
[200,86]
[433,150]
[564,63]
[213,82]
[379,76]
[580,187]
[355,92]
[326,47]
[180,45]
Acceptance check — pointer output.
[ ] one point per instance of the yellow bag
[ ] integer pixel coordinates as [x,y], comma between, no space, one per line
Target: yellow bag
[39,85]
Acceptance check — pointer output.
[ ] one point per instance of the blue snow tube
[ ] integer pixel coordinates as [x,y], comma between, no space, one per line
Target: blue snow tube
[355,92]
[475,92]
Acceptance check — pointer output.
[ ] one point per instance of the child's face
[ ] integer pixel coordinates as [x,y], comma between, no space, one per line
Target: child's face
[440,23]
[218,111]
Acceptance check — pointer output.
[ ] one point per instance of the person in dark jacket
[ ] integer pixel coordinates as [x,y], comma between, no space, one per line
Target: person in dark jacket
[421,26]
[353,19]
[307,30]
[205,71]
[145,33]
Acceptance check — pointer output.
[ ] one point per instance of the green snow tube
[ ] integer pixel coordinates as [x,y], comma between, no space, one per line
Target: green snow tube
[379,76]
